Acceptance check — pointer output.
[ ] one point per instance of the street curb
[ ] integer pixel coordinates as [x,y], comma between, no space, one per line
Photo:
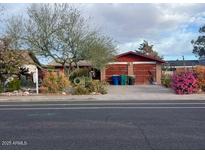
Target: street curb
[86,101]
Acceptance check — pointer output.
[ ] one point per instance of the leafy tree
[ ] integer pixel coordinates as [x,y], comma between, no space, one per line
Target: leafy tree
[199,44]
[147,49]
[99,52]
[60,32]
[10,61]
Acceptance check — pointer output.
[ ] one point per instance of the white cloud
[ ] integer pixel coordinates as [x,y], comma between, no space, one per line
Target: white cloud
[170,27]
[177,44]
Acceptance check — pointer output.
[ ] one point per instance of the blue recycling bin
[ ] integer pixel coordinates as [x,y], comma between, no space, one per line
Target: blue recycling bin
[115,79]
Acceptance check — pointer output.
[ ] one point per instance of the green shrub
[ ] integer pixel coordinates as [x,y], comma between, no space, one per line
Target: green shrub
[98,86]
[81,90]
[166,80]
[79,81]
[88,80]
[92,86]
[26,82]
[81,72]
[13,85]
[1,88]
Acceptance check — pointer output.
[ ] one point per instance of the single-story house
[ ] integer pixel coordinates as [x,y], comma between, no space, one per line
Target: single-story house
[28,71]
[59,67]
[31,63]
[142,67]
[133,63]
[81,64]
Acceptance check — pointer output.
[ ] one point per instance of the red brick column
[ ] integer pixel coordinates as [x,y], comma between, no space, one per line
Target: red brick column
[158,73]
[130,69]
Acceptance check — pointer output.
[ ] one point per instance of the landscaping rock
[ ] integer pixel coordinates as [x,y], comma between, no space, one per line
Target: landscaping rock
[93,93]
[16,93]
[26,93]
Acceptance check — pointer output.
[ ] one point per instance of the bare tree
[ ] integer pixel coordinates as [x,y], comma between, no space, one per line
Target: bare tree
[14,31]
[57,31]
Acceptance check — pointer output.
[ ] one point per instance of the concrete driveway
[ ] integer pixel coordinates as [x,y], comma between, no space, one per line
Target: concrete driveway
[148,92]
[139,89]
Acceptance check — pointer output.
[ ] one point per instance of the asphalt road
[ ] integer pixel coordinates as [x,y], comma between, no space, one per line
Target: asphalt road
[103,125]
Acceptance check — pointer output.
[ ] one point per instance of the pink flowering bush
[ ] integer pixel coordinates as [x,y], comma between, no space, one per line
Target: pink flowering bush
[184,83]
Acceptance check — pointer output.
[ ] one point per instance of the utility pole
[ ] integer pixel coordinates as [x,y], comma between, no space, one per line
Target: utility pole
[184,63]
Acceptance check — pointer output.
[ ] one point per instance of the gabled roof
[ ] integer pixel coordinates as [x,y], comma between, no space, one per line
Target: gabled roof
[136,53]
[80,63]
[29,57]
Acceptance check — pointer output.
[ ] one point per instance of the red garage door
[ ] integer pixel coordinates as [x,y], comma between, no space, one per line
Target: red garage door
[115,69]
[143,73]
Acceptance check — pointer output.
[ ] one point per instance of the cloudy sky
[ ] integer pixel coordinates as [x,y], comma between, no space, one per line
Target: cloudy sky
[169,27]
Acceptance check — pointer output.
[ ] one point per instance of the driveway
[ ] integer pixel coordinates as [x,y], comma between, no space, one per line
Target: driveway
[148,92]
[139,89]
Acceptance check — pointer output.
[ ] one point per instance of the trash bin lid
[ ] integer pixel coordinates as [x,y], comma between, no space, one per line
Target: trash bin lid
[132,76]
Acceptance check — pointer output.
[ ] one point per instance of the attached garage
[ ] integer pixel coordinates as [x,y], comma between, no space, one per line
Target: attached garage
[144,68]
[143,72]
